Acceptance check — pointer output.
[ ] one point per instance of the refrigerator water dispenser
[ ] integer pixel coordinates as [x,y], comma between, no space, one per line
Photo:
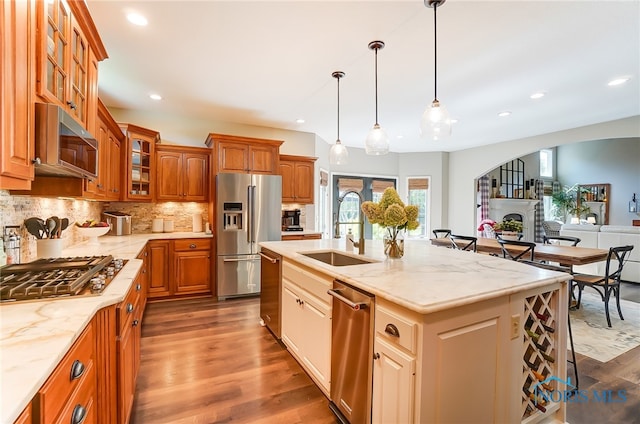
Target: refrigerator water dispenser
[232,216]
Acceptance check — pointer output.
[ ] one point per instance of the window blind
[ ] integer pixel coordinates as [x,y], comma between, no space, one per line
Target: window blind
[418,184]
[345,184]
[378,186]
[324,178]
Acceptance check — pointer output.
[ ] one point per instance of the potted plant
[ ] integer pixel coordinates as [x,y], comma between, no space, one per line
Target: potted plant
[509,229]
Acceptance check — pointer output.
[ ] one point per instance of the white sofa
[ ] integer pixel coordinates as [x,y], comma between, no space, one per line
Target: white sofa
[604,237]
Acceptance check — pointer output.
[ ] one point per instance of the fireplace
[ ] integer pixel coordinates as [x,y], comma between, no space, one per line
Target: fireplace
[500,208]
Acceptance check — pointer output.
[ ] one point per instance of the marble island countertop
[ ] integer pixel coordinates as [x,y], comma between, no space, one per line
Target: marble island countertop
[428,278]
[35,335]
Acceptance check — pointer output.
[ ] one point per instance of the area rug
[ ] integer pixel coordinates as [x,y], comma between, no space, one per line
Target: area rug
[591,335]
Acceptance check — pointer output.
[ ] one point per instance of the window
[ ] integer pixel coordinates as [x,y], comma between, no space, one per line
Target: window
[546,163]
[418,188]
[370,188]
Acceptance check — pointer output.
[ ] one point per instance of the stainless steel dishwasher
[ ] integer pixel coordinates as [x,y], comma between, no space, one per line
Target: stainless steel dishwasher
[351,353]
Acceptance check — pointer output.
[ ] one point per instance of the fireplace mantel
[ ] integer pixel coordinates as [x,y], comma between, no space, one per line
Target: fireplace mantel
[499,207]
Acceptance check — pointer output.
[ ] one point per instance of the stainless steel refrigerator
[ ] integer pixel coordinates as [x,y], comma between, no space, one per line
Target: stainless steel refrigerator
[249,211]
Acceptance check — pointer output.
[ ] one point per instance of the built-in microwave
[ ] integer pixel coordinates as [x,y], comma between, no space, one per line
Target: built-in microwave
[63,147]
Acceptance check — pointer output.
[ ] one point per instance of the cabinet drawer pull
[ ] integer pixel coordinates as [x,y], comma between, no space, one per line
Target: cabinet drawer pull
[79,414]
[135,323]
[392,330]
[192,246]
[138,287]
[129,308]
[77,369]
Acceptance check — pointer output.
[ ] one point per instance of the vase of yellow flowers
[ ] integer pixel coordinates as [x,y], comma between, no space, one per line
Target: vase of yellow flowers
[392,214]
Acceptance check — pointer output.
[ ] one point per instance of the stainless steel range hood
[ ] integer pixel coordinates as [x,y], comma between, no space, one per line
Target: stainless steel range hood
[63,147]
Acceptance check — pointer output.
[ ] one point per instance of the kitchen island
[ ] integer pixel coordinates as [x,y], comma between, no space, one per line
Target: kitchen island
[36,335]
[458,336]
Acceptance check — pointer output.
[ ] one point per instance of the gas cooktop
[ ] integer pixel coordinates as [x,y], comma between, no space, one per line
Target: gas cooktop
[57,277]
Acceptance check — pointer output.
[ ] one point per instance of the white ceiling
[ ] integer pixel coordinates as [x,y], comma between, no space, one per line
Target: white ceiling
[268,63]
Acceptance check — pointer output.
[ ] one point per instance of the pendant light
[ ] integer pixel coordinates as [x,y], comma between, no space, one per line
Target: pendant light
[338,155]
[377,142]
[435,123]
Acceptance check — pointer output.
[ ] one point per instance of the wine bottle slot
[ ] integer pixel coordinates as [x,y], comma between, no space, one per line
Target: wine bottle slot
[549,329]
[533,335]
[542,317]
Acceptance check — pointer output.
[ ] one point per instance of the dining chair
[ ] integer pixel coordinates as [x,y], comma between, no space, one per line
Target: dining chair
[608,283]
[513,249]
[469,243]
[441,233]
[561,240]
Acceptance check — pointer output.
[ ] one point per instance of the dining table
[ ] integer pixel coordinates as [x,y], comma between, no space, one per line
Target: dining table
[565,255]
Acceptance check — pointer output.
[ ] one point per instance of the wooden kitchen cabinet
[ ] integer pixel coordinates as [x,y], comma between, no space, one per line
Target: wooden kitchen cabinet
[179,267]
[110,140]
[68,45]
[306,321]
[129,315]
[182,173]
[192,266]
[159,268]
[244,154]
[17,79]
[293,236]
[297,179]
[139,162]
[71,388]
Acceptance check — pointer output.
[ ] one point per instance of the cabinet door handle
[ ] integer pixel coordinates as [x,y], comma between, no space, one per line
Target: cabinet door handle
[192,246]
[376,356]
[392,330]
[36,161]
[72,105]
[79,414]
[77,369]
[138,287]
[135,323]
[129,308]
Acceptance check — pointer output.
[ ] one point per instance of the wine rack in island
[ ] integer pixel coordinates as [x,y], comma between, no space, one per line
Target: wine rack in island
[543,360]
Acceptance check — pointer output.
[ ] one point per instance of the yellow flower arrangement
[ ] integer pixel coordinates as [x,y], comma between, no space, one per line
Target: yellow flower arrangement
[392,213]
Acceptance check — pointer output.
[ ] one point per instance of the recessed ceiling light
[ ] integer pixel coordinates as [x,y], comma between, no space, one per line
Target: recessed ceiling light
[538,95]
[155,96]
[137,19]
[299,121]
[618,81]
[454,121]
[505,113]
[400,136]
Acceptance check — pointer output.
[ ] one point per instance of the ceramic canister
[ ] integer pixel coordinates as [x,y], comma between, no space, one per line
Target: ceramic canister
[157,225]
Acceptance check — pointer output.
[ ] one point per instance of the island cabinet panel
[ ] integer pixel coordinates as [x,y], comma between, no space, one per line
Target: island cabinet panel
[297,179]
[314,236]
[158,283]
[17,79]
[25,417]
[106,361]
[71,388]
[244,154]
[306,321]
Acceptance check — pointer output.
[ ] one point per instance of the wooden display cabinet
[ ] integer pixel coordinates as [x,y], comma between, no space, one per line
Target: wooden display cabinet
[139,162]
[182,173]
[297,179]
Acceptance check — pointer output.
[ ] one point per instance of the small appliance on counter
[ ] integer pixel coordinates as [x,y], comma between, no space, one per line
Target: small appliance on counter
[119,223]
[291,220]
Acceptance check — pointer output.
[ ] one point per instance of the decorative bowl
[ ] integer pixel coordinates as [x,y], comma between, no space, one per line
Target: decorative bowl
[92,233]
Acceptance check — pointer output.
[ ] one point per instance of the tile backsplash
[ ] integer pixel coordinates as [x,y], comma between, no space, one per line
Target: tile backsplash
[15,209]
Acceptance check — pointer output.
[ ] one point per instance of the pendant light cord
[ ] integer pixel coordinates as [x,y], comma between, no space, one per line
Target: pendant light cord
[376,86]
[338,139]
[435,52]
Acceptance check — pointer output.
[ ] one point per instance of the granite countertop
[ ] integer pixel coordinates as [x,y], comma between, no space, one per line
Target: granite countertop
[428,278]
[35,335]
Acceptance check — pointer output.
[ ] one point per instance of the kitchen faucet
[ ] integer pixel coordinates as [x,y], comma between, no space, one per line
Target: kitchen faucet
[360,243]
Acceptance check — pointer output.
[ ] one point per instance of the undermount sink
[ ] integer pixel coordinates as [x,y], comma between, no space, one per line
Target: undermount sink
[336,258]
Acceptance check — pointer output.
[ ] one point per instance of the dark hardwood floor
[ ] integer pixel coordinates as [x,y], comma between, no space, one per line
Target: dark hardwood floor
[204,361]
[211,362]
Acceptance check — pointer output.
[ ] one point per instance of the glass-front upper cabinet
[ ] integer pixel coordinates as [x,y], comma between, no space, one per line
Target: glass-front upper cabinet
[593,203]
[140,169]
